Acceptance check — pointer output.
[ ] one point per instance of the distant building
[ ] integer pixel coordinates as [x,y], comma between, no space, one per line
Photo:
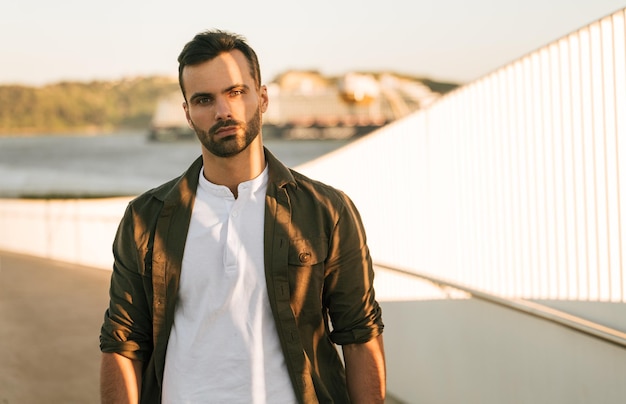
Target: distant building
[308,105]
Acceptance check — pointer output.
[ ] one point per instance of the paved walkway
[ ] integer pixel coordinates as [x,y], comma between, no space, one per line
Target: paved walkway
[50,317]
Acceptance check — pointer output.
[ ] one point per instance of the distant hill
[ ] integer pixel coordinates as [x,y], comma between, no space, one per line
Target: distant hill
[95,106]
[82,106]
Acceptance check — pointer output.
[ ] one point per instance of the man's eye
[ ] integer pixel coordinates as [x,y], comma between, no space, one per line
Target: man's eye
[236,92]
[203,100]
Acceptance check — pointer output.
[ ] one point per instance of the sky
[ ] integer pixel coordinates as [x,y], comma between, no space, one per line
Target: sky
[46,41]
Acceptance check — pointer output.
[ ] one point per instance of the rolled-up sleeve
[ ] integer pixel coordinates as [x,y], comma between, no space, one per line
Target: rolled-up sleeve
[349,283]
[127,327]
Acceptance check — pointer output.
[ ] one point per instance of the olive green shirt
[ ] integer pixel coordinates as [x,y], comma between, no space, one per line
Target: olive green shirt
[317,268]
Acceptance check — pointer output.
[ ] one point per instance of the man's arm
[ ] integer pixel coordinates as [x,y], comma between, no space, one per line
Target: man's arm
[120,379]
[365,371]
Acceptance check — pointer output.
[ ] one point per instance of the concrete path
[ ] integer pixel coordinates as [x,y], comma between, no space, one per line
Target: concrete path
[50,317]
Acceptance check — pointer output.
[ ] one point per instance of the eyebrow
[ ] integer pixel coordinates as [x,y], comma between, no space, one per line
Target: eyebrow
[226,90]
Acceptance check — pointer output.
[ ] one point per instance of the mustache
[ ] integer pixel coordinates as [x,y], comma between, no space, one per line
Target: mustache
[221,124]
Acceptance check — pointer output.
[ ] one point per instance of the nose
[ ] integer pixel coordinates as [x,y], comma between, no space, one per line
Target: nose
[222,109]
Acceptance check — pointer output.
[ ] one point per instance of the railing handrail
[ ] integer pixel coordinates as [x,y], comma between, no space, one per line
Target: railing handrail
[538,310]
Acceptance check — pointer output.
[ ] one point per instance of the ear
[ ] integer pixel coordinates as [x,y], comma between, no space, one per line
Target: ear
[264,99]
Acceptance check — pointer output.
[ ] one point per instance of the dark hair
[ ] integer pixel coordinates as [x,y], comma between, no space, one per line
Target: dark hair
[209,44]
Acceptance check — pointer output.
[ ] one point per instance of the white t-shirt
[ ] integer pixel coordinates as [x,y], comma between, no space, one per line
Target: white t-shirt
[224,346]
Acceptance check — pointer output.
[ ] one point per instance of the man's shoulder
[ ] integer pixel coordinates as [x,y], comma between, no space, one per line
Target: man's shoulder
[296,181]
[156,194]
[307,182]
[321,191]
[172,189]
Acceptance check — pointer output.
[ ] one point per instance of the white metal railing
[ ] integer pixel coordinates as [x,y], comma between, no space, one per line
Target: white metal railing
[514,184]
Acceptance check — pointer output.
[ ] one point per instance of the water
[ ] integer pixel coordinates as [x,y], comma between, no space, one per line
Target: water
[112,165]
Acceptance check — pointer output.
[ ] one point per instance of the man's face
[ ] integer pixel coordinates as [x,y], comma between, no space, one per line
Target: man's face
[223,104]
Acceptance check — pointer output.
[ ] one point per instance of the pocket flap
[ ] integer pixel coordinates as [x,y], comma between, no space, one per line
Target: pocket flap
[307,251]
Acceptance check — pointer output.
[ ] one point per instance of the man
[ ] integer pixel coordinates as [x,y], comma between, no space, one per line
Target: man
[234,282]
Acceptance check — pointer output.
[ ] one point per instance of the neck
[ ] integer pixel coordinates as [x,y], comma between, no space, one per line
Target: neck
[232,171]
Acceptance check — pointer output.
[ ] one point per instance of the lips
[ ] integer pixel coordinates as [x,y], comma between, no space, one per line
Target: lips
[226,131]
[225,128]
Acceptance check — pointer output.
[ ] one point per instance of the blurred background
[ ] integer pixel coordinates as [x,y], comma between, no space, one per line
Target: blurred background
[494,129]
[449,40]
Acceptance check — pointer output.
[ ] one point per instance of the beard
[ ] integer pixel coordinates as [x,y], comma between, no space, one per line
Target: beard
[232,145]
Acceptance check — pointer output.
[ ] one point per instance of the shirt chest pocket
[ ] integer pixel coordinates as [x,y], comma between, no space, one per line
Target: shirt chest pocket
[306,277]
[307,252]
